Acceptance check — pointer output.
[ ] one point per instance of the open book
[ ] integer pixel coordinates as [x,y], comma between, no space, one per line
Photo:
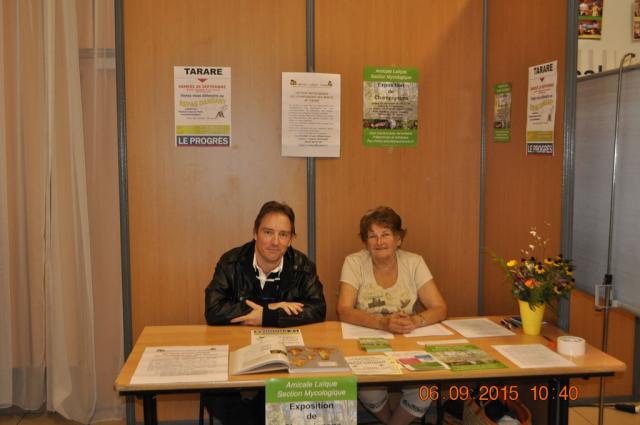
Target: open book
[267,356]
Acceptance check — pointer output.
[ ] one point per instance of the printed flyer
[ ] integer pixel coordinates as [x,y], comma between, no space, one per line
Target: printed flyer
[390,99]
[314,401]
[502,112]
[310,114]
[202,105]
[541,108]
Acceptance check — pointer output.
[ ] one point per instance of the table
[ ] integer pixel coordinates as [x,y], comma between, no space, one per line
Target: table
[594,363]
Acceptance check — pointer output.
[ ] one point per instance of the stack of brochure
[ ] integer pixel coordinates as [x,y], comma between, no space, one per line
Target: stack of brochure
[464,357]
[374,345]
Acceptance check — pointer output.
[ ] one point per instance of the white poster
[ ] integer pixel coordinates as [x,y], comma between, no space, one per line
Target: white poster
[310,114]
[541,108]
[170,365]
[202,104]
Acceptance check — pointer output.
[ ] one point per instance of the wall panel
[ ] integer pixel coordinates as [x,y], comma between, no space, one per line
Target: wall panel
[434,186]
[586,322]
[521,191]
[190,205]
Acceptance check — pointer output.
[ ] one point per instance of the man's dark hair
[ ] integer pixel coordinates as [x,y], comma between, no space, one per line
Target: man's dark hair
[275,207]
[383,217]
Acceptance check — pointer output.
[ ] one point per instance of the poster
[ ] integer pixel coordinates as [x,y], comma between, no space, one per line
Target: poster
[590,19]
[541,108]
[502,112]
[310,114]
[313,401]
[390,100]
[202,105]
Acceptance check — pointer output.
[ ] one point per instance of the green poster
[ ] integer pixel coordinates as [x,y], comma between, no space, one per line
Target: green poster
[502,112]
[390,101]
[315,401]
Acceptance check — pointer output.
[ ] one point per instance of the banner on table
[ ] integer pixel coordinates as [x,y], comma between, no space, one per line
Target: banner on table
[315,401]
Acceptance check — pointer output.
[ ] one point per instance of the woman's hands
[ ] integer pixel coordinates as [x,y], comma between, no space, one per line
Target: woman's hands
[400,323]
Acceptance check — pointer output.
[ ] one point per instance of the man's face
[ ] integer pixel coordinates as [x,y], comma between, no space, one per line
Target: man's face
[272,240]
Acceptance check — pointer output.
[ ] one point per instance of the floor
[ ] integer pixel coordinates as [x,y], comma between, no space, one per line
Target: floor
[589,416]
[577,416]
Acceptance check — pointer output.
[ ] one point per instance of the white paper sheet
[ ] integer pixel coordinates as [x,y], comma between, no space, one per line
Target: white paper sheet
[532,356]
[168,365]
[310,114]
[444,341]
[350,331]
[286,337]
[477,328]
[431,330]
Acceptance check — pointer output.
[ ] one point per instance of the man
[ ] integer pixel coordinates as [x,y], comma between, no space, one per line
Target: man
[265,282]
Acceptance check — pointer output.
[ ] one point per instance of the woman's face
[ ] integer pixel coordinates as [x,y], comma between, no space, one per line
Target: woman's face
[382,243]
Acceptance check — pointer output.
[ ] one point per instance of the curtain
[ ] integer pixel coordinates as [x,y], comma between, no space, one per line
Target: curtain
[60,284]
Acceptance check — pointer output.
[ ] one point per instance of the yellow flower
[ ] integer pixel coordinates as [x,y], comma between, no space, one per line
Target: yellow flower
[539,268]
[512,263]
[548,261]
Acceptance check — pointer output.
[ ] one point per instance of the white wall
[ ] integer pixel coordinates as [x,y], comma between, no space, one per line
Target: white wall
[604,54]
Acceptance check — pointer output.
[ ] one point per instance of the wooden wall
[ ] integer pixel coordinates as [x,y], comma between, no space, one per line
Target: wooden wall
[521,191]
[190,205]
[434,186]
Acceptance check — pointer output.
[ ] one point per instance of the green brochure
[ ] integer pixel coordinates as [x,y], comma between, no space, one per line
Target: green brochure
[464,357]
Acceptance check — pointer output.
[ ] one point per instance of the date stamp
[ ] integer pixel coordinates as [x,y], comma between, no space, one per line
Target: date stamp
[498,392]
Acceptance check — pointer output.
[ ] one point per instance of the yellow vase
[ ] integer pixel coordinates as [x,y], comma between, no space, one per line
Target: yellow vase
[531,319]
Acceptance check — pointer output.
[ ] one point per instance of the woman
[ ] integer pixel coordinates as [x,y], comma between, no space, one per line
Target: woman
[379,287]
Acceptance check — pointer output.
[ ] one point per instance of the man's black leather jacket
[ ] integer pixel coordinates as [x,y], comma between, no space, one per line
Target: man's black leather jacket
[233,283]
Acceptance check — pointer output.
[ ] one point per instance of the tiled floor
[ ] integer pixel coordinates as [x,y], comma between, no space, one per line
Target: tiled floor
[589,416]
[577,416]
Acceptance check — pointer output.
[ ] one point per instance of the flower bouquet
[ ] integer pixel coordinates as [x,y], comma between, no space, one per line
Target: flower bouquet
[536,281]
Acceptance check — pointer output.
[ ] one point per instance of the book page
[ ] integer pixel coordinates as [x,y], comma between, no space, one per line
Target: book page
[532,356]
[167,365]
[311,359]
[261,357]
